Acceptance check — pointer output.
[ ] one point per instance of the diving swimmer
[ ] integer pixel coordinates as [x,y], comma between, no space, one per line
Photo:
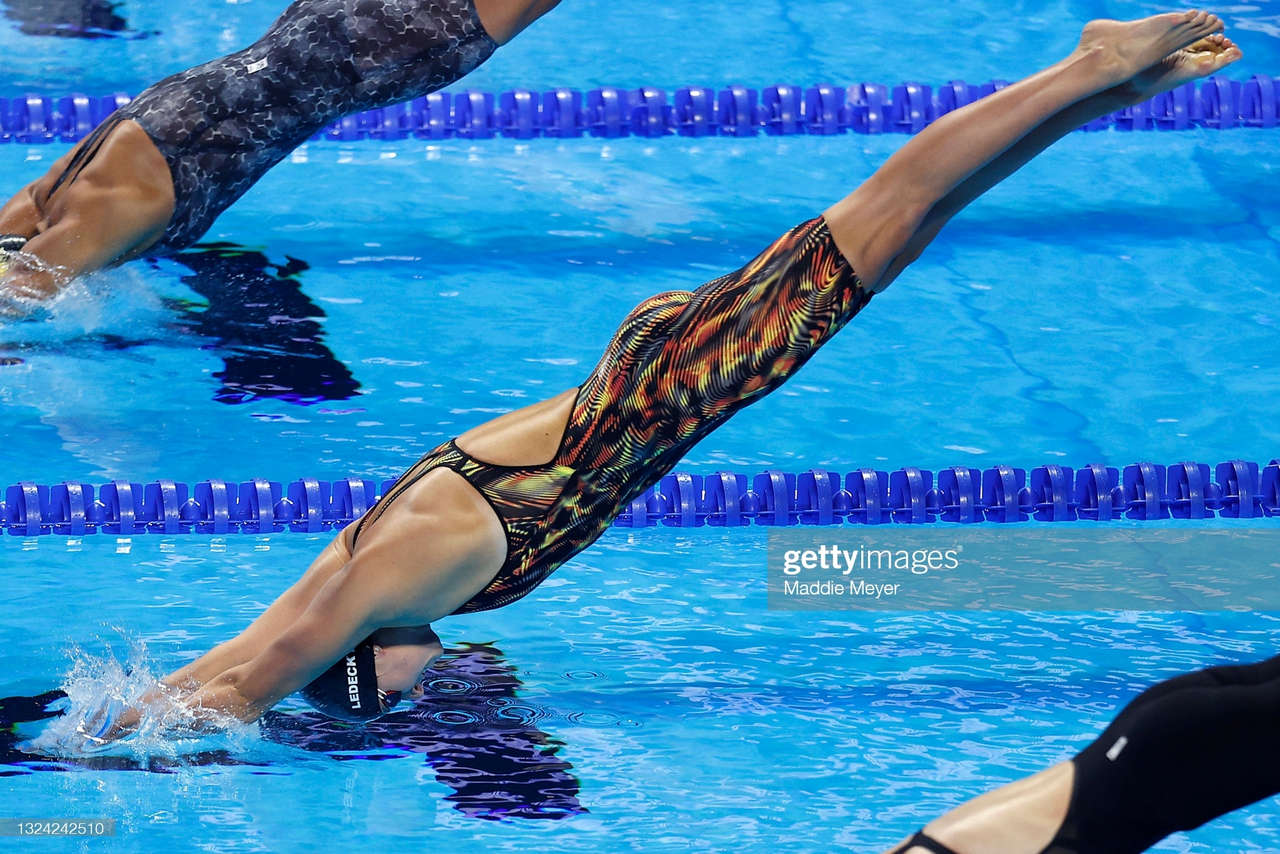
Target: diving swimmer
[155,174]
[1182,753]
[480,521]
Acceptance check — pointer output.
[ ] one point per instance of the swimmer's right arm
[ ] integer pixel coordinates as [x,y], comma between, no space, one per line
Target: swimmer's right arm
[106,215]
[341,615]
[270,624]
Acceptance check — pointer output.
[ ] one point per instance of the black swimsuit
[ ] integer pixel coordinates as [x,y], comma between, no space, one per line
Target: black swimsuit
[1182,753]
[925,842]
[223,124]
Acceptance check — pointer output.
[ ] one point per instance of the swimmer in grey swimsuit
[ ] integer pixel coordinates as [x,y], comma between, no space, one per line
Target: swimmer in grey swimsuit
[189,146]
[223,124]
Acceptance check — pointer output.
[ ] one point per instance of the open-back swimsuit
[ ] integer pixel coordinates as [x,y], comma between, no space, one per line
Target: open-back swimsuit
[679,366]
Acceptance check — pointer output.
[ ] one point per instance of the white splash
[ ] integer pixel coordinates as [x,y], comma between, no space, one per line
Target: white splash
[168,729]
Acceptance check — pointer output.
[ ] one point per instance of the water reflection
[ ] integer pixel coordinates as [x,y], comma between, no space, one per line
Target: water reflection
[78,19]
[264,327]
[470,728]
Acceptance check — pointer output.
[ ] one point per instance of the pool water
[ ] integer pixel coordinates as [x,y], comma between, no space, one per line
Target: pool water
[1113,302]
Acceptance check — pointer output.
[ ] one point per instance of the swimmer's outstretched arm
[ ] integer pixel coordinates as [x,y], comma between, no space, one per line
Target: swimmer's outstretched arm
[271,624]
[341,614]
[1182,753]
[120,203]
[392,581]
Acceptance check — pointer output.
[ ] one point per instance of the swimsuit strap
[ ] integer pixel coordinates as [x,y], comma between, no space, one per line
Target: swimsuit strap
[86,153]
[927,842]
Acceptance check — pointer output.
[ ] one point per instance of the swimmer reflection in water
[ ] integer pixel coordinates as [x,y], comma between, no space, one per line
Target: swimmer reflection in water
[481,520]
[475,732]
[155,174]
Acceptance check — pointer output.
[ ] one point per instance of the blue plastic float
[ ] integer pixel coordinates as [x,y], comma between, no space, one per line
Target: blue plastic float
[696,111]
[1144,491]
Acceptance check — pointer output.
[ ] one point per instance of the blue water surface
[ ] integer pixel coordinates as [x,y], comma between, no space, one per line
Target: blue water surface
[1113,302]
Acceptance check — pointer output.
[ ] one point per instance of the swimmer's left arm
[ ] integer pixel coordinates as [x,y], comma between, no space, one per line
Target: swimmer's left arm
[340,616]
[272,623]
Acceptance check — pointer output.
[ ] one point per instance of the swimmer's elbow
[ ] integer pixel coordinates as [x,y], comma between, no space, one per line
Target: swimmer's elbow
[229,683]
[234,692]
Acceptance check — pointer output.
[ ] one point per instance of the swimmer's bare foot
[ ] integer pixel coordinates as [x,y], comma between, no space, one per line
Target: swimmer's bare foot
[1126,48]
[1200,59]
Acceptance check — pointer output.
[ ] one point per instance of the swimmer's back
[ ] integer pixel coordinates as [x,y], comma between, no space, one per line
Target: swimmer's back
[221,125]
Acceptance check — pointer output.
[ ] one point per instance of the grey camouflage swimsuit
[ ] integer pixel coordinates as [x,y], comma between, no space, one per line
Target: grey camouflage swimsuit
[223,124]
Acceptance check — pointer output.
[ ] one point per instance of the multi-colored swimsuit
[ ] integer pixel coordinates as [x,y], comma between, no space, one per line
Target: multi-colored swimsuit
[223,124]
[680,365]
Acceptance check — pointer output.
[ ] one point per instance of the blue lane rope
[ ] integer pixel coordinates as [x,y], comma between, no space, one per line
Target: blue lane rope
[1142,491]
[697,111]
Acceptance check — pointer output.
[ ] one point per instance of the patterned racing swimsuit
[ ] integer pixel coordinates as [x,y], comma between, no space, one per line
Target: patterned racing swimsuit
[680,365]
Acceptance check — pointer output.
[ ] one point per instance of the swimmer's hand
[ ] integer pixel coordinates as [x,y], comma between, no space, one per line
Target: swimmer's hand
[104,722]
[166,709]
[113,719]
[27,284]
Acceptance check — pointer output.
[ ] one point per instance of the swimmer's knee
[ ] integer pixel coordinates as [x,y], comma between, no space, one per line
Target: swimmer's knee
[874,228]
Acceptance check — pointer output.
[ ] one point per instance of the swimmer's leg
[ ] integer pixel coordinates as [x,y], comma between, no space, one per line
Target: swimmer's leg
[874,224]
[504,20]
[1200,59]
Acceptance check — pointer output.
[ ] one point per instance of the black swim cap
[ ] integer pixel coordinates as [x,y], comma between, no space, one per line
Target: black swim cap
[349,689]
